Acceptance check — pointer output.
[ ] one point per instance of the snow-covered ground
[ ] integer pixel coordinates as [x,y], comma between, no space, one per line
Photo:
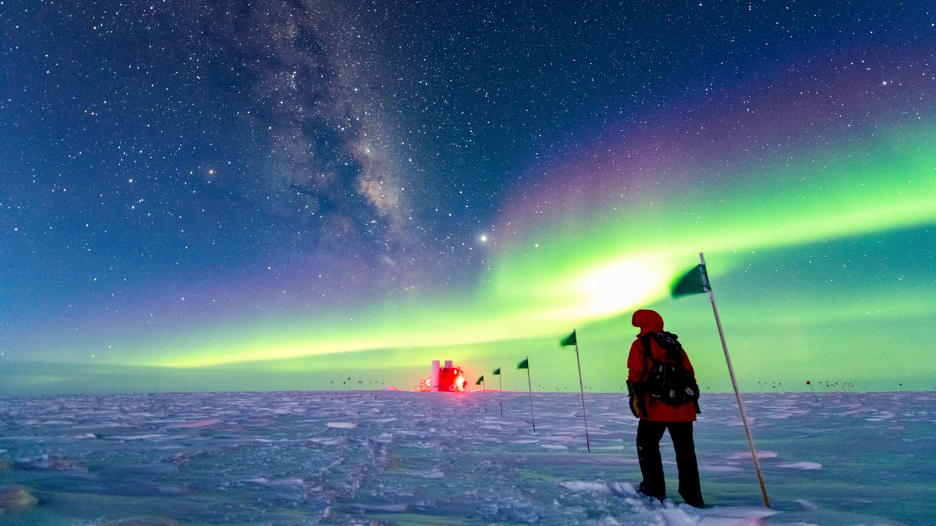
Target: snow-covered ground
[385,457]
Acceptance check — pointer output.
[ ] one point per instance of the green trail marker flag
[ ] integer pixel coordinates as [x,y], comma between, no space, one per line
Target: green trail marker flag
[525,364]
[696,282]
[479,380]
[693,282]
[497,371]
[571,340]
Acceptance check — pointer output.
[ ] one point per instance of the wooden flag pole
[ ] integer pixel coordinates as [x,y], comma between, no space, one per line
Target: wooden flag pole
[734,384]
[530,382]
[582,386]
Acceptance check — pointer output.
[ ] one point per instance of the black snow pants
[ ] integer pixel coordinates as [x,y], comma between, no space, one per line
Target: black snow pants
[649,434]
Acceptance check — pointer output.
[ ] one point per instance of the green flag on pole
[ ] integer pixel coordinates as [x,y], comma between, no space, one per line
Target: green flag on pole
[479,381]
[497,372]
[696,282]
[569,340]
[525,364]
[693,282]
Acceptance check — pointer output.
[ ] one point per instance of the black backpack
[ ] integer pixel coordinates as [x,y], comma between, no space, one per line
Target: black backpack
[669,382]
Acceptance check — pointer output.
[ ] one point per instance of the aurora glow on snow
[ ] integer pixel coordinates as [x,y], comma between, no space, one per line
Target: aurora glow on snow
[234,196]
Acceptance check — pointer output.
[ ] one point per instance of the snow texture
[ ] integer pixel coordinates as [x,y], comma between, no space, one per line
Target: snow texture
[393,457]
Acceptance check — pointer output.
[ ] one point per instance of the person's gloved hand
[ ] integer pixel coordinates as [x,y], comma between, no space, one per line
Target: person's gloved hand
[635,405]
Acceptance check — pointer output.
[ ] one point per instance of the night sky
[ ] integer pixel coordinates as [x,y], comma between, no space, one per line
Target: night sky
[226,195]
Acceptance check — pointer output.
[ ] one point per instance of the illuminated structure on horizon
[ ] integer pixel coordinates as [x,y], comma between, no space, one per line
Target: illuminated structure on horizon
[449,379]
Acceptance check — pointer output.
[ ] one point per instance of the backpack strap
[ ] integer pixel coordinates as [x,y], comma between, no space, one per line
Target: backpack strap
[649,360]
[645,340]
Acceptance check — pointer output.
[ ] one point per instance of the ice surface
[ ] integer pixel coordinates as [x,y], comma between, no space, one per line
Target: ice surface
[747,454]
[586,486]
[197,423]
[799,465]
[394,457]
[342,425]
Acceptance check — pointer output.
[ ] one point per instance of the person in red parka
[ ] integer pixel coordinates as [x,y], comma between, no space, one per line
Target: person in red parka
[657,416]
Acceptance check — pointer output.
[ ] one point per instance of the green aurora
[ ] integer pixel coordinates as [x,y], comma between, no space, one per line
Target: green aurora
[822,270]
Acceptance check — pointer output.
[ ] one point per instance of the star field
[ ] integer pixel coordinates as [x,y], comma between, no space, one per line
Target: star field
[317,186]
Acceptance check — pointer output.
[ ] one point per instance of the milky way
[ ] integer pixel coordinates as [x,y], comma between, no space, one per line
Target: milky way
[309,77]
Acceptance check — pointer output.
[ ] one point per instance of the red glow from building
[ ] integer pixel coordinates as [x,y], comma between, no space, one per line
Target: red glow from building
[451,380]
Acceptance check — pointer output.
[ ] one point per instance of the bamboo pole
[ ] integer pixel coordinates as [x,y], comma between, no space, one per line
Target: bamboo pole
[530,383]
[734,383]
[582,386]
[500,392]
[484,394]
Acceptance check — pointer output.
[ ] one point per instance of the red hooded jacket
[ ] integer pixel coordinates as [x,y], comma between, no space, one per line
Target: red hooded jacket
[637,363]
